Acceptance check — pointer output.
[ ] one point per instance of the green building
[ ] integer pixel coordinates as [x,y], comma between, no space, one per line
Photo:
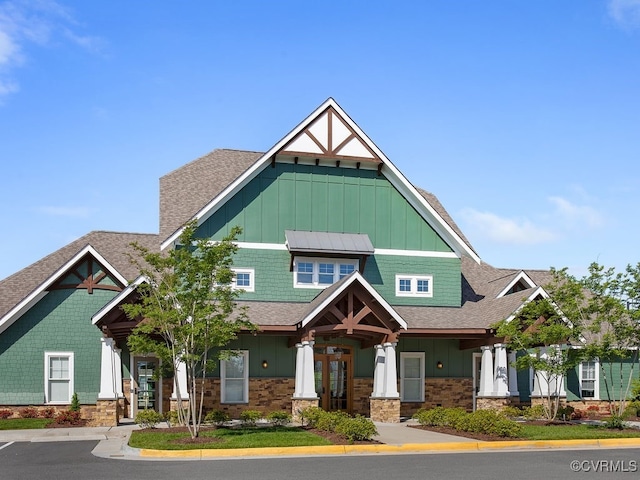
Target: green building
[368,297]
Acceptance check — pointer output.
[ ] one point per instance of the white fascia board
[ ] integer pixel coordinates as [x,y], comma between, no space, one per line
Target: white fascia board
[117,299]
[394,175]
[521,276]
[234,187]
[356,276]
[537,292]
[34,297]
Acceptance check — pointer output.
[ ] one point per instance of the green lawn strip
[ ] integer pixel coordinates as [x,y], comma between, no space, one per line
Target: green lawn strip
[228,438]
[574,432]
[24,423]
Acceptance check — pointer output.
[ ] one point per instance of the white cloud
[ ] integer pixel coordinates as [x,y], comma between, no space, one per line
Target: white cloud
[40,22]
[577,214]
[75,212]
[625,12]
[506,230]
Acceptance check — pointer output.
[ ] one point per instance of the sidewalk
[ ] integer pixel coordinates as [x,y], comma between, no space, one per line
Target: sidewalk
[395,438]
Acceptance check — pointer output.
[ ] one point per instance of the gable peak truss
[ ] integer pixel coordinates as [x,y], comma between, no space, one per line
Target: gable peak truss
[329,136]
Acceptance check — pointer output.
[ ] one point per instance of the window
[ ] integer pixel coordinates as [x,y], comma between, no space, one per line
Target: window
[58,377]
[234,378]
[412,376]
[321,272]
[414,285]
[589,379]
[244,279]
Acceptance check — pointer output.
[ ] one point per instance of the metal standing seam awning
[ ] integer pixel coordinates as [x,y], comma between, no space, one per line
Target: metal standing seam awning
[329,244]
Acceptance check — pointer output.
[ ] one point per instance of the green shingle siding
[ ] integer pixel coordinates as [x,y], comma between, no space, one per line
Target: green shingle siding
[305,197]
[60,322]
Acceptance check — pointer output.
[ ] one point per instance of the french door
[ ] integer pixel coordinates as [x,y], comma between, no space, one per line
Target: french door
[334,377]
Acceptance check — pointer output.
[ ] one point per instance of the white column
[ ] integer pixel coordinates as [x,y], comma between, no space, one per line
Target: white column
[108,389]
[118,371]
[513,376]
[378,372]
[299,370]
[390,372]
[308,377]
[486,372]
[180,380]
[500,373]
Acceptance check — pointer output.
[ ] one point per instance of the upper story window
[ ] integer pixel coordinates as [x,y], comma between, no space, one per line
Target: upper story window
[414,285]
[244,279]
[321,272]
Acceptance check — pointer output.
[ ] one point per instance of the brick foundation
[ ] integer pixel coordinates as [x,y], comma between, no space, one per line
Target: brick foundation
[299,404]
[386,410]
[362,388]
[442,392]
[492,403]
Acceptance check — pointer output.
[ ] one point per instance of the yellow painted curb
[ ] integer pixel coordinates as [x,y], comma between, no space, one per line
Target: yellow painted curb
[384,448]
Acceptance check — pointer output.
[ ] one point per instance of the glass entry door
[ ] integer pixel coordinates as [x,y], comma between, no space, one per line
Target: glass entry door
[334,377]
[145,391]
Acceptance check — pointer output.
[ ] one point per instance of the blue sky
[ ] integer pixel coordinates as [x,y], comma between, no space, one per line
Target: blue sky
[522,117]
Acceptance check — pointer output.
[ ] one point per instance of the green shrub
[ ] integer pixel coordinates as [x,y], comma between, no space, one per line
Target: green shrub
[565,412]
[28,412]
[311,415]
[615,422]
[75,403]
[68,417]
[632,409]
[440,417]
[279,418]
[512,412]
[5,413]
[491,422]
[217,417]
[356,428]
[534,413]
[250,417]
[328,421]
[148,418]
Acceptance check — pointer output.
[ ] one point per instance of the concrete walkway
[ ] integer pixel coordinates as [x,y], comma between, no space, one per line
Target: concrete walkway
[395,438]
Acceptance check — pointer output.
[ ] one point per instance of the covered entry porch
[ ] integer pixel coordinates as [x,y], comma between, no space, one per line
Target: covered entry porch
[350,309]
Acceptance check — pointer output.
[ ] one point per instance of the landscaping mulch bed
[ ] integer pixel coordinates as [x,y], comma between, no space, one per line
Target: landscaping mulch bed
[452,431]
[339,439]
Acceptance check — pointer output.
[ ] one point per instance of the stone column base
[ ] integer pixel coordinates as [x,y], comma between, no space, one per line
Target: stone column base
[385,410]
[299,404]
[174,404]
[107,413]
[492,403]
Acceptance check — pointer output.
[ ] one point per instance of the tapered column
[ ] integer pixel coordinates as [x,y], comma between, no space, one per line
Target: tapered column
[390,371]
[108,367]
[500,372]
[378,372]
[513,375]
[308,378]
[180,382]
[299,370]
[486,372]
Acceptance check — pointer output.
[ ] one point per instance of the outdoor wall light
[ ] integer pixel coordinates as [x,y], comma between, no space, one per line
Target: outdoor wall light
[439,364]
[265,364]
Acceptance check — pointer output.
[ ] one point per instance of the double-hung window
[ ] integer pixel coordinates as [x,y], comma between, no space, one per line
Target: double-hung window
[589,379]
[321,272]
[414,285]
[58,377]
[234,378]
[412,376]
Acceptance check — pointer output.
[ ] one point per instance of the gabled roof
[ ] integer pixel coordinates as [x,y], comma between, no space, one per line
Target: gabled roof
[221,187]
[21,290]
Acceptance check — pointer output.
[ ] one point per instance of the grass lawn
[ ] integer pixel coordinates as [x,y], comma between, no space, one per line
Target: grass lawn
[574,432]
[227,438]
[24,423]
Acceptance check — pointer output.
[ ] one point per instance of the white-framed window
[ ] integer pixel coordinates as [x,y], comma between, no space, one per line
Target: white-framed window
[412,376]
[58,377]
[589,384]
[321,272]
[244,278]
[414,285]
[234,378]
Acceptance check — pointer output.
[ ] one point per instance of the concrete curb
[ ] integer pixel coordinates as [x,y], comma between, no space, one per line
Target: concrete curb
[388,449]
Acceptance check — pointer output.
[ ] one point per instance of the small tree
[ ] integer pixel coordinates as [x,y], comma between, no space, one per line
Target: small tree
[187,310]
[540,332]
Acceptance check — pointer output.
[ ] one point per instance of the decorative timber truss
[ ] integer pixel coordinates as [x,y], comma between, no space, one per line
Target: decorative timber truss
[87,273]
